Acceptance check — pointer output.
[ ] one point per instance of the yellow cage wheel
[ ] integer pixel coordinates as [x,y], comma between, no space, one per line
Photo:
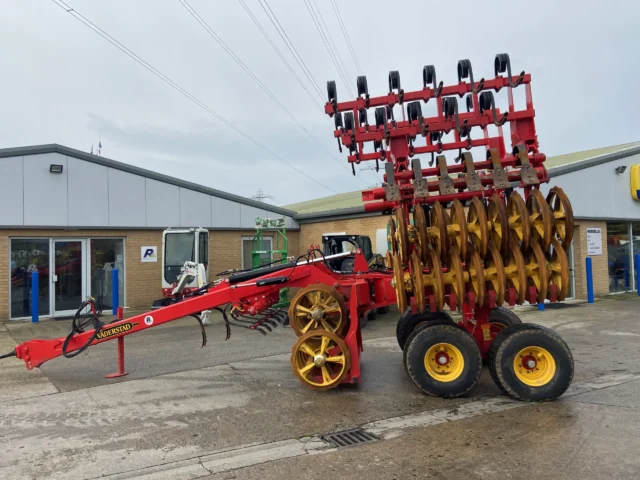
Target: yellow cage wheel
[437,232]
[418,281]
[531,363]
[537,271]
[420,223]
[497,217]
[494,274]
[320,359]
[442,360]
[540,218]
[457,227]
[318,307]
[388,260]
[434,279]
[562,215]
[454,277]
[402,235]
[474,277]
[477,226]
[518,219]
[391,237]
[398,283]
[559,266]
[515,272]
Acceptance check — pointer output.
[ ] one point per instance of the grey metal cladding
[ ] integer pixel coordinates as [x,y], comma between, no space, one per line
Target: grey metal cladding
[55,148]
[11,191]
[224,213]
[45,193]
[126,199]
[88,194]
[249,214]
[195,209]
[162,204]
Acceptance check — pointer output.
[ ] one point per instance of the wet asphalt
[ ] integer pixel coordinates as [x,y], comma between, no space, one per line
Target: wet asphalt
[181,401]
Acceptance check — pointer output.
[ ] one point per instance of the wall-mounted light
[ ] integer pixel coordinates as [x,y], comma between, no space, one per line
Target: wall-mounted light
[621,169]
[55,168]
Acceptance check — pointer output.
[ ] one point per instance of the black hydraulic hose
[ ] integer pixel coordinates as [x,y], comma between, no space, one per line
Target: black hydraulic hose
[65,345]
[7,355]
[78,324]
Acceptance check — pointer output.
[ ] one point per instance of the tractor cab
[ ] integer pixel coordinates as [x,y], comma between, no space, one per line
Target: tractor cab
[180,245]
[333,243]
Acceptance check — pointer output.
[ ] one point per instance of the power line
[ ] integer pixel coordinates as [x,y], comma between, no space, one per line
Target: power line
[254,77]
[330,38]
[346,36]
[277,50]
[177,87]
[326,44]
[290,46]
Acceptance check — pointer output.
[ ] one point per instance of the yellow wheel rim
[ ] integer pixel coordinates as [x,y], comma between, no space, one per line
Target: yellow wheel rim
[318,306]
[534,366]
[320,359]
[444,362]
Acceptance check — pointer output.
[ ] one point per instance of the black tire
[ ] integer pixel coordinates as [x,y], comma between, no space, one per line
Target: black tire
[380,116]
[504,318]
[510,342]
[362,116]
[469,100]
[362,85]
[410,321]
[373,314]
[338,121]
[394,80]
[428,336]
[429,75]
[383,310]
[410,112]
[348,121]
[389,112]
[332,93]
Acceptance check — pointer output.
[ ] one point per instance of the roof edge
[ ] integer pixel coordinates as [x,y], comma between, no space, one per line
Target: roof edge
[333,214]
[107,162]
[592,162]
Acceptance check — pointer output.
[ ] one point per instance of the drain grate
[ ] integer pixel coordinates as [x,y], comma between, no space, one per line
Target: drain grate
[349,438]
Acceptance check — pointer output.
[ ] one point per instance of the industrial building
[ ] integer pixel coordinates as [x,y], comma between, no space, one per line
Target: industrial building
[74,217]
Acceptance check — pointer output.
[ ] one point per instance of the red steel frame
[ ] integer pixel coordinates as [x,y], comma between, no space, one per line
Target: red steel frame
[363,289]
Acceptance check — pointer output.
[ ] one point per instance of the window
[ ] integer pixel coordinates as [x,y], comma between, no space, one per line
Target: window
[107,254]
[635,250]
[27,256]
[261,258]
[178,248]
[619,256]
[203,249]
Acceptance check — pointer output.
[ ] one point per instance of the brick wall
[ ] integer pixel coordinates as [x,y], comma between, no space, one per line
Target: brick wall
[599,262]
[143,281]
[311,233]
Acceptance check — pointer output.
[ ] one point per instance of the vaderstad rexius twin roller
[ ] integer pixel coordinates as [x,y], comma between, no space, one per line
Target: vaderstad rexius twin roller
[466,235]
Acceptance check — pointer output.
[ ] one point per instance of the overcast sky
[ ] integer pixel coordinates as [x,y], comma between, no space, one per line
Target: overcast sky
[62,83]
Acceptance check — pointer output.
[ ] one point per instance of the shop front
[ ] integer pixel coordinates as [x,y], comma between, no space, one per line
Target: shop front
[69,269]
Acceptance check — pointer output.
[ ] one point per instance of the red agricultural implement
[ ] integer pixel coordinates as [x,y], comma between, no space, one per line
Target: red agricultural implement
[462,239]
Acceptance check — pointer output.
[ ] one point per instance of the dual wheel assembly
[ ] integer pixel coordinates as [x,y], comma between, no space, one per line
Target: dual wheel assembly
[515,249]
[527,362]
[319,316]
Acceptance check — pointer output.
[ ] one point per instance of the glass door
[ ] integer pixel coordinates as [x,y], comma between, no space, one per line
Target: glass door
[68,276]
